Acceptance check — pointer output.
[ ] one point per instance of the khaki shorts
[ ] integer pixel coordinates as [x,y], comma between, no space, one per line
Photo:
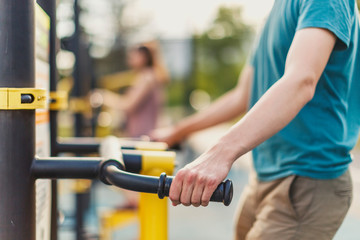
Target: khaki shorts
[292,208]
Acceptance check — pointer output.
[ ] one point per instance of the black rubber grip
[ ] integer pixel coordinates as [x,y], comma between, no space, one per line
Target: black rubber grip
[223,193]
[111,173]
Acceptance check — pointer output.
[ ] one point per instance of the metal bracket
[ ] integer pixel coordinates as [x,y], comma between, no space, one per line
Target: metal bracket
[22,98]
[58,100]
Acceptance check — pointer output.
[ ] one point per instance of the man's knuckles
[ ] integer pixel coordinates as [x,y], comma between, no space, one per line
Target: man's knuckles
[204,203]
[211,181]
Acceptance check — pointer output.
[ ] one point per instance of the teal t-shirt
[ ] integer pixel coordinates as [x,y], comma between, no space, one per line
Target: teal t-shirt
[317,142]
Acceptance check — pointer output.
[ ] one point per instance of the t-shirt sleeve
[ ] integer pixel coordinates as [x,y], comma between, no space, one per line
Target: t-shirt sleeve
[333,15]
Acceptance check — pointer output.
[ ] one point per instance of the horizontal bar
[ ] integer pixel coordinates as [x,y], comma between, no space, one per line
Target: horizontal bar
[84,145]
[110,172]
[147,184]
[77,148]
[52,167]
[66,168]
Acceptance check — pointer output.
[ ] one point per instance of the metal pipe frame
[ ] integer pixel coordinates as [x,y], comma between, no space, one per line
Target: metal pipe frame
[49,7]
[77,148]
[111,172]
[18,168]
[66,168]
[17,127]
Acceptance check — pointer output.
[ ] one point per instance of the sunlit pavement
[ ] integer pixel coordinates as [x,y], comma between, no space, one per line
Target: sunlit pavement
[213,222]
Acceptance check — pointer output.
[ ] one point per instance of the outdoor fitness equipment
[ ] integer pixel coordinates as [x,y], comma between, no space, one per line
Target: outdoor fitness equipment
[20,122]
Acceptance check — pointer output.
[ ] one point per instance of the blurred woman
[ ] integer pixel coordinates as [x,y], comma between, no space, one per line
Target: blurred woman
[143,101]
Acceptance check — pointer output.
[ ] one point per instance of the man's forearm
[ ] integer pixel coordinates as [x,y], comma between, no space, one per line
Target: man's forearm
[278,106]
[221,111]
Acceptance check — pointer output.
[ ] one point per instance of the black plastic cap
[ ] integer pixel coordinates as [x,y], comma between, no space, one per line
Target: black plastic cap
[228,192]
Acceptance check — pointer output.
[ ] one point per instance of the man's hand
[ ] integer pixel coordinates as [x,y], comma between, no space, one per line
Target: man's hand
[196,182]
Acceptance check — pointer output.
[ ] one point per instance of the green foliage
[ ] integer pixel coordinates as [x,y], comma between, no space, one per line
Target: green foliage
[175,93]
[220,52]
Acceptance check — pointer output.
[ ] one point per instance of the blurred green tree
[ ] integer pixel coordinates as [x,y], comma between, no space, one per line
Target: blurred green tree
[221,51]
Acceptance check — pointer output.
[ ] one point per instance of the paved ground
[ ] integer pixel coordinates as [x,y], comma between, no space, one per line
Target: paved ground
[212,223]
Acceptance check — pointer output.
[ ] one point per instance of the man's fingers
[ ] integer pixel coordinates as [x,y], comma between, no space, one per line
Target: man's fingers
[175,190]
[187,188]
[197,193]
[192,186]
[209,189]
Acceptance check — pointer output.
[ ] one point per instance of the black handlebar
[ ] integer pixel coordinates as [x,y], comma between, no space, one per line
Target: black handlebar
[223,193]
[112,174]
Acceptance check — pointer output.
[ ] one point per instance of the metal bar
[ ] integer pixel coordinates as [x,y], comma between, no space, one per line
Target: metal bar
[75,45]
[81,204]
[17,127]
[49,7]
[81,145]
[78,148]
[153,212]
[130,181]
[132,159]
[69,168]
[110,172]
[54,211]
[153,217]
[79,90]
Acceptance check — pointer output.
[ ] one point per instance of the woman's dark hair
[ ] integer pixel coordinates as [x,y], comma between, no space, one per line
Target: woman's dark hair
[149,61]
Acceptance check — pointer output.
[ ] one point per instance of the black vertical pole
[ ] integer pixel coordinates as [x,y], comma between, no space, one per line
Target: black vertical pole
[17,127]
[81,203]
[75,45]
[49,7]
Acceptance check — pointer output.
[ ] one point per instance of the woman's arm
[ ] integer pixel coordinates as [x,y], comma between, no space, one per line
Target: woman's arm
[133,97]
[229,106]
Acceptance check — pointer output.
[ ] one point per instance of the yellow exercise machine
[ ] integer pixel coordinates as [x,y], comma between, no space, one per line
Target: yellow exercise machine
[152,213]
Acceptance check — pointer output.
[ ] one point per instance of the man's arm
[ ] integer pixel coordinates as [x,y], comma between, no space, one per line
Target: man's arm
[306,60]
[227,107]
